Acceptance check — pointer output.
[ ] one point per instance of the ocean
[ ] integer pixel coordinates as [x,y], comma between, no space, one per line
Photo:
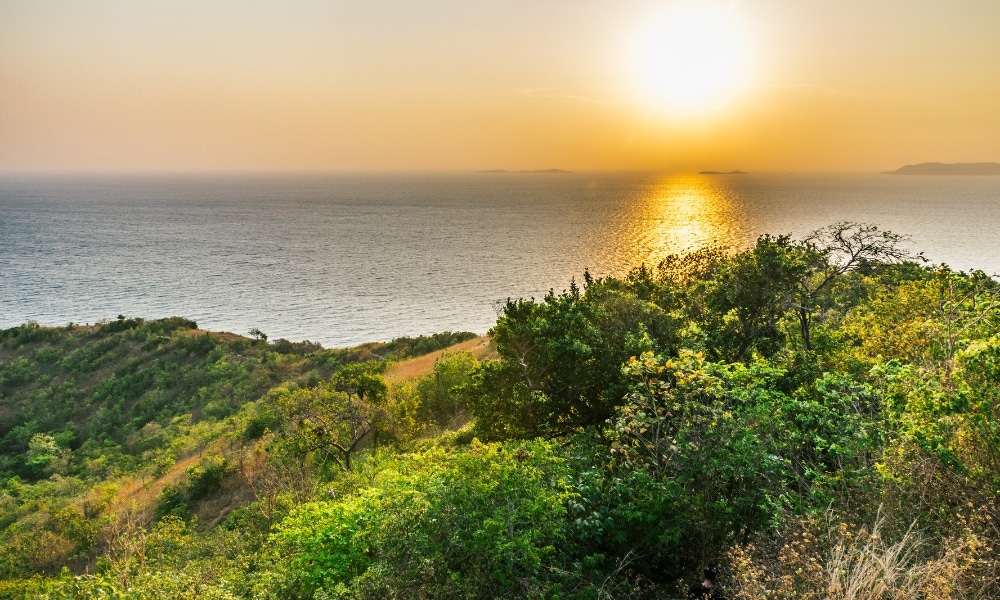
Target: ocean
[350,258]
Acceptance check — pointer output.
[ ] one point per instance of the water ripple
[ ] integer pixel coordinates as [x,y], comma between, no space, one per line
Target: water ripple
[347,259]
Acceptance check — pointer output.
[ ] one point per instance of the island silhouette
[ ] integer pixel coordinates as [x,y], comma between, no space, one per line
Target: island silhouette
[524,171]
[936,168]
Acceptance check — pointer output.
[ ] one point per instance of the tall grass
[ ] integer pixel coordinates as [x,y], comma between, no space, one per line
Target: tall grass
[848,563]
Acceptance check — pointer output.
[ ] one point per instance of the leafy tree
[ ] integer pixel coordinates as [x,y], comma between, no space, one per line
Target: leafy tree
[44,454]
[927,320]
[480,523]
[693,430]
[443,393]
[560,360]
[830,432]
[836,250]
[748,294]
[334,418]
[363,381]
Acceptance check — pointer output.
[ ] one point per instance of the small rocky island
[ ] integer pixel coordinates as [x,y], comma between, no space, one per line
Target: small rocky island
[547,171]
[936,168]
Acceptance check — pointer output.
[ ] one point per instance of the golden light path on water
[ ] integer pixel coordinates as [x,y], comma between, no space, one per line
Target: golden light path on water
[678,214]
[348,259]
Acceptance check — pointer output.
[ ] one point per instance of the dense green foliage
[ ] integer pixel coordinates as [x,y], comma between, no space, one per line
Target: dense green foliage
[94,395]
[817,416]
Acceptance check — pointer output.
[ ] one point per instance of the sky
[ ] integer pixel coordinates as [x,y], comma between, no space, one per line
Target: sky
[459,85]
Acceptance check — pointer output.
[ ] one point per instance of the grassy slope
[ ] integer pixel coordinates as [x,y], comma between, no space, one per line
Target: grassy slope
[134,407]
[419,366]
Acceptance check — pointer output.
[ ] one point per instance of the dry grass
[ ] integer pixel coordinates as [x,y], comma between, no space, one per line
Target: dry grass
[225,336]
[142,491]
[846,563]
[413,368]
[140,494]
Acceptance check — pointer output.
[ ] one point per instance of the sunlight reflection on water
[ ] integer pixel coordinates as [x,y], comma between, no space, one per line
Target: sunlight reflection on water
[679,214]
[344,259]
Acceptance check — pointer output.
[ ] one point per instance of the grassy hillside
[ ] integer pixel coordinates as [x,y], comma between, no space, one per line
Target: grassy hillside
[816,418]
[135,419]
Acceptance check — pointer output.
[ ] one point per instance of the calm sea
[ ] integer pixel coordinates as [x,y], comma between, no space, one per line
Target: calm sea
[344,259]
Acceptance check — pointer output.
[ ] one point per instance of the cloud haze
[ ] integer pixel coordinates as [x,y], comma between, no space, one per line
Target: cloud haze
[441,85]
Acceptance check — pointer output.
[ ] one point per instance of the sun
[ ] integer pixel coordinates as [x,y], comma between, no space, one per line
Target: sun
[689,59]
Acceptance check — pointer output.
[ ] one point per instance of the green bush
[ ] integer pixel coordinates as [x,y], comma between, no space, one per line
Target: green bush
[483,523]
[200,481]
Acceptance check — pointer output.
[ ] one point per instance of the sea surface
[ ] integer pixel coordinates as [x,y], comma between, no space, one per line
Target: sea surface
[345,259]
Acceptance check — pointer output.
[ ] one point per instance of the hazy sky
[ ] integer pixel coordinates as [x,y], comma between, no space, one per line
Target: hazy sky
[477,84]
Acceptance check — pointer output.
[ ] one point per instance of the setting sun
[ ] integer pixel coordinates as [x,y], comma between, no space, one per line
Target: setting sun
[689,59]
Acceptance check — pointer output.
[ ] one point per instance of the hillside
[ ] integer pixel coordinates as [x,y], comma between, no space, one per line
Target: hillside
[412,368]
[810,416]
[125,413]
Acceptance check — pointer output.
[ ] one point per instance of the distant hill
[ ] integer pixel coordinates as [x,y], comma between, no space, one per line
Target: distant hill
[539,171]
[722,173]
[936,168]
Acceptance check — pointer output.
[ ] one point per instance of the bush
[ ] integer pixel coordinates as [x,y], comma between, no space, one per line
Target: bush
[409,347]
[200,481]
[483,523]
[170,325]
[206,477]
[283,346]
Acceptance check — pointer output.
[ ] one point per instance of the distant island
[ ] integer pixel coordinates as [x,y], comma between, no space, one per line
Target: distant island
[936,168]
[723,173]
[539,171]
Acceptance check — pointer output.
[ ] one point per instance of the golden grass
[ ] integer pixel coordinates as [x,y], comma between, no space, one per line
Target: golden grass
[848,563]
[135,498]
[225,336]
[413,368]
[142,491]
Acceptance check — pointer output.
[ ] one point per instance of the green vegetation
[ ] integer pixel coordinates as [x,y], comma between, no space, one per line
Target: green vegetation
[819,417]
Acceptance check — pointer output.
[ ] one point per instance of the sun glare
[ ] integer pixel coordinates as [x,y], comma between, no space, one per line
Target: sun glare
[689,59]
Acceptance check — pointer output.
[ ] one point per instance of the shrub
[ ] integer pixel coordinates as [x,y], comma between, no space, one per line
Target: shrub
[482,523]
[200,481]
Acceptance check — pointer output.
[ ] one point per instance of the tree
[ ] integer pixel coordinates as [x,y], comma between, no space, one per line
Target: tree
[746,296]
[841,248]
[365,382]
[927,320]
[483,522]
[44,454]
[560,359]
[694,427]
[444,391]
[334,418]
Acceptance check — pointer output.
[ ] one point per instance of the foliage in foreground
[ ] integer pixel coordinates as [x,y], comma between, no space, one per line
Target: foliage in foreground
[817,416]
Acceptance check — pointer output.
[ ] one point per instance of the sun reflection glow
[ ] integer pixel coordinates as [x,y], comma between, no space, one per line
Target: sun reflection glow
[683,213]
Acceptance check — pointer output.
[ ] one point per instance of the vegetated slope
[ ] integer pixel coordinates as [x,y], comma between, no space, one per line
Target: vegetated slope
[91,388]
[131,419]
[815,416]
[419,366]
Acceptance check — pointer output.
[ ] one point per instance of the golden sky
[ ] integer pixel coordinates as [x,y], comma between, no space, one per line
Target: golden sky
[206,85]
